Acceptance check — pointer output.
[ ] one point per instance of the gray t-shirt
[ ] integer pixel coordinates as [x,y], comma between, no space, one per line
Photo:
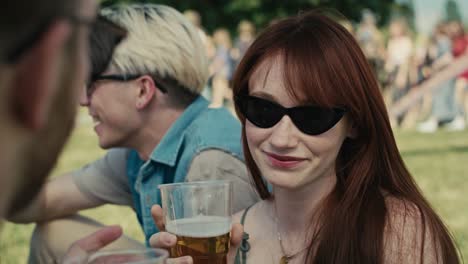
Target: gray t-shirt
[105,180]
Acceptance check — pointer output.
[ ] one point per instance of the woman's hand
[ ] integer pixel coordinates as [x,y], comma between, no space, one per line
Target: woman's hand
[167,240]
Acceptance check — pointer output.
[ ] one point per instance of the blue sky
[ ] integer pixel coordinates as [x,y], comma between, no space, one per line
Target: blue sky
[429,12]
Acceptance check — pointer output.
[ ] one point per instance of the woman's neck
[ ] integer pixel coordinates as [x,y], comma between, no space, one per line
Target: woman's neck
[294,209]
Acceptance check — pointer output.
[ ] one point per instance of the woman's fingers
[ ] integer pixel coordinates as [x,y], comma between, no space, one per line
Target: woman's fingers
[237,231]
[158,217]
[168,240]
[163,240]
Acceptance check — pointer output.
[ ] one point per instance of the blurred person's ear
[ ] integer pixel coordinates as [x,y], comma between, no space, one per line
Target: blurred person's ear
[36,77]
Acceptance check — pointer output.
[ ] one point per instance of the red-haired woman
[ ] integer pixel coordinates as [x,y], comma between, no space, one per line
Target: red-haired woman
[316,129]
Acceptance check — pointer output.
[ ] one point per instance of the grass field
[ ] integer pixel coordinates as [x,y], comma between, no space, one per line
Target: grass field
[439,162]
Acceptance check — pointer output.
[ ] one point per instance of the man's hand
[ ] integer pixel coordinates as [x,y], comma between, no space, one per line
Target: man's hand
[79,251]
[168,240]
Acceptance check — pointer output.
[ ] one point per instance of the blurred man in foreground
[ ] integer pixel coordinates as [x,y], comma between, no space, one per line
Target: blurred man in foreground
[43,65]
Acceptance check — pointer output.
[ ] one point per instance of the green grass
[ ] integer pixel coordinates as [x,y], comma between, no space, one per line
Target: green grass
[439,162]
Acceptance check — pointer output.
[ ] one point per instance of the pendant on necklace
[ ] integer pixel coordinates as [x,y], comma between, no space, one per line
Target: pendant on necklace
[285,259]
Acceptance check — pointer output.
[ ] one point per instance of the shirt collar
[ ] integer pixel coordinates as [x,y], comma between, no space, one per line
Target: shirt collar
[167,150]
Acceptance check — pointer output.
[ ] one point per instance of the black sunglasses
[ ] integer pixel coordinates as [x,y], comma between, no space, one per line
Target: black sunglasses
[90,87]
[311,120]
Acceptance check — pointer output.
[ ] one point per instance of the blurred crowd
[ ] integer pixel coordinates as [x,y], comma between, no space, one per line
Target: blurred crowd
[401,58]
[224,53]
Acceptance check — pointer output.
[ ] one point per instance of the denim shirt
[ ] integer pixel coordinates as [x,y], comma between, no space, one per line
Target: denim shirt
[198,128]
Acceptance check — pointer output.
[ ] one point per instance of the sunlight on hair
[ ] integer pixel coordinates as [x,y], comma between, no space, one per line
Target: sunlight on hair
[161,41]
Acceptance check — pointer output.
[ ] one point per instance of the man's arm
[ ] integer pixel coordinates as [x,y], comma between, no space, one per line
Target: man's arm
[59,197]
[100,182]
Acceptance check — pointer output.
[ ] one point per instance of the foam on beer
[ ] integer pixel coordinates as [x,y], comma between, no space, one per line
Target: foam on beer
[200,226]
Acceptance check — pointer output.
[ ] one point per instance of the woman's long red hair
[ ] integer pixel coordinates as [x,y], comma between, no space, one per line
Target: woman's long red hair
[325,66]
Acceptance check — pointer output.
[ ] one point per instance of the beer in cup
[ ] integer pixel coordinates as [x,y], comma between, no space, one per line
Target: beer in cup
[199,214]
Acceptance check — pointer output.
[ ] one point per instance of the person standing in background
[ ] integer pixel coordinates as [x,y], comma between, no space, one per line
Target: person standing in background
[196,20]
[459,48]
[246,35]
[443,107]
[221,70]
[371,41]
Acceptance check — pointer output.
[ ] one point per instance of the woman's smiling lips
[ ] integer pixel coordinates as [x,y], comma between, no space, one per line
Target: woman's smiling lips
[283,162]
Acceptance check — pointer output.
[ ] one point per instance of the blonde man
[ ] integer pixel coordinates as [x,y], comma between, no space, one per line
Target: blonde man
[149,113]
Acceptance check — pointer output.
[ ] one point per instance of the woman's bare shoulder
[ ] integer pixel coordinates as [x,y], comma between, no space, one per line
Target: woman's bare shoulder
[407,233]
[255,211]
[397,207]
[236,218]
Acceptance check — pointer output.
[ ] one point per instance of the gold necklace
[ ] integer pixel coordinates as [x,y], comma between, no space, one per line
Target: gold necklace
[286,257]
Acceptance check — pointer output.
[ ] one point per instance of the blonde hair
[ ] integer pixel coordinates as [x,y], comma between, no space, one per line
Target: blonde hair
[161,42]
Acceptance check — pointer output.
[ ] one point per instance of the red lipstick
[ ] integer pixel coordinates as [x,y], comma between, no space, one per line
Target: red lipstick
[283,162]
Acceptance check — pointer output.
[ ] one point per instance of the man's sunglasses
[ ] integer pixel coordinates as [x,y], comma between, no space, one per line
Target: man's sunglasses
[311,120]
[90,87]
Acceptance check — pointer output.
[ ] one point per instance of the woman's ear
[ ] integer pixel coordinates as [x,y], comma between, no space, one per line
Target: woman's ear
[36,77]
